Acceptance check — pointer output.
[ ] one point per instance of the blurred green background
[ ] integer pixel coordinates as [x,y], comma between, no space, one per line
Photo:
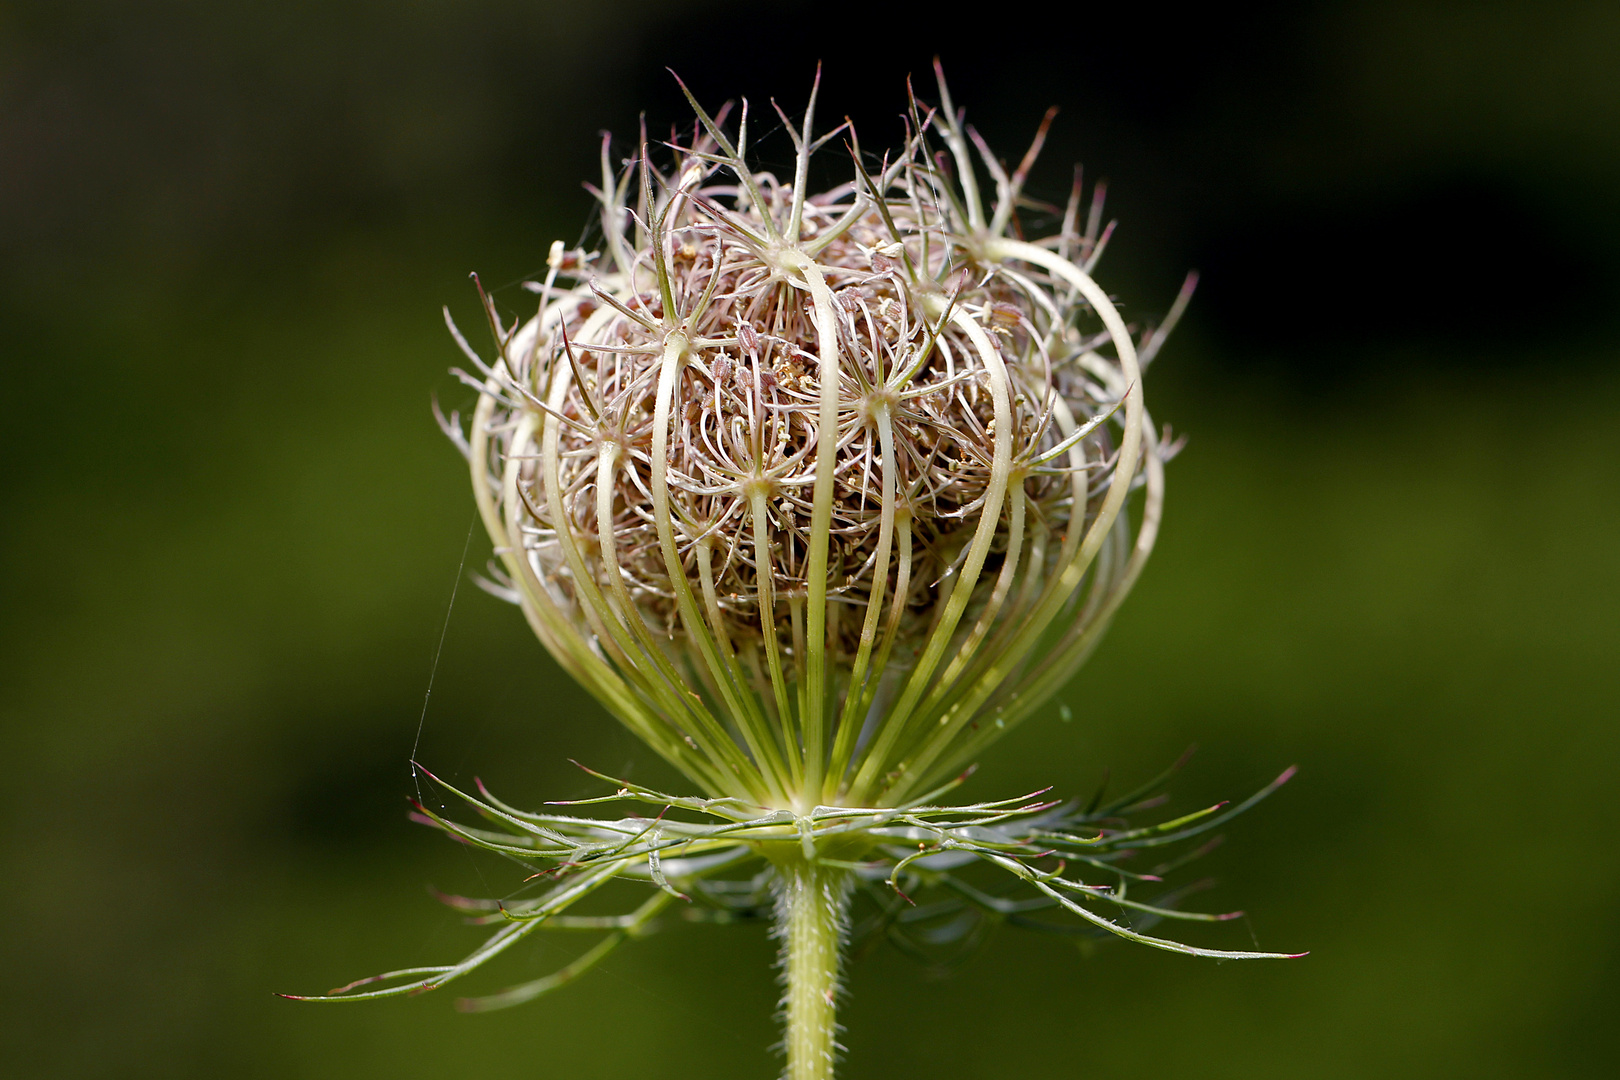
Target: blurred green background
[230,530]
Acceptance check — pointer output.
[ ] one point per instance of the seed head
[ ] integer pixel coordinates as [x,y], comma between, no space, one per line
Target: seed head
[819,492]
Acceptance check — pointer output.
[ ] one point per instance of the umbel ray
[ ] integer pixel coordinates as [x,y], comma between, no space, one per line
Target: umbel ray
[820,494]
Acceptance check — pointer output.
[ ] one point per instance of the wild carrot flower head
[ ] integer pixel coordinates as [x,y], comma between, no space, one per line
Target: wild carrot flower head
[819,492]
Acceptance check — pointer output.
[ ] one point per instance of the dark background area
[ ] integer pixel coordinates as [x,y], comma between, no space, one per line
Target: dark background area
[231,529]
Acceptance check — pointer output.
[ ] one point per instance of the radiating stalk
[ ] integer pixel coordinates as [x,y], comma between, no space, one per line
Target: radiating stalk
[742,706]
[858,697]
[878,757]
[813,714]
[766,602]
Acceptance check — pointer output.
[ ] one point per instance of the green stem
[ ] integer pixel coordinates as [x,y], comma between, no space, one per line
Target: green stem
[812,908]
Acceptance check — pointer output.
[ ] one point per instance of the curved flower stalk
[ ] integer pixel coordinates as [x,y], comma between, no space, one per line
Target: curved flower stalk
[819,494]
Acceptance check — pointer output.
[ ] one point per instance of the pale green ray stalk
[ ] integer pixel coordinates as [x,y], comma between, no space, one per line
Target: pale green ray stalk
[815,712]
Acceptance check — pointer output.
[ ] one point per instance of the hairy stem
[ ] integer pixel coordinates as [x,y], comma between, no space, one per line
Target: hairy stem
[812,909]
